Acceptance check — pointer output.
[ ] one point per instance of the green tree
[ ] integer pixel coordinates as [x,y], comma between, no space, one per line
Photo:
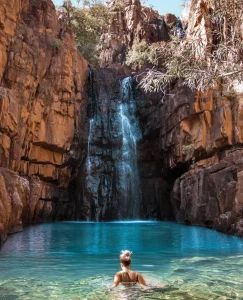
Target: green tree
[87,22]
[139,55]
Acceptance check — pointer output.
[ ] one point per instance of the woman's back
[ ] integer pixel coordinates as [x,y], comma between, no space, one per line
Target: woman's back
[128,276]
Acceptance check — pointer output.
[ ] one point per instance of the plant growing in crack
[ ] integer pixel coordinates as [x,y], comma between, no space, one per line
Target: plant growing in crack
[56,45]
[187,148]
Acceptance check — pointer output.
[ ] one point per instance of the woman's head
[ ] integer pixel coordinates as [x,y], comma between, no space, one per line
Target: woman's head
[125,258]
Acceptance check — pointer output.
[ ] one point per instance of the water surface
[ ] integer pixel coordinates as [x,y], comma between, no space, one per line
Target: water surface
[73,260]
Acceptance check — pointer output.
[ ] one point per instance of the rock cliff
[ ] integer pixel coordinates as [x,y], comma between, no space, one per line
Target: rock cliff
[192,141]
[196,139]
[199,138]
[42,111]
[209,138]
[62,136]
[129,23]
[101,191]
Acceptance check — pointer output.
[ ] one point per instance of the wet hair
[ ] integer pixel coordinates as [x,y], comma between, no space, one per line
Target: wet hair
[125,257]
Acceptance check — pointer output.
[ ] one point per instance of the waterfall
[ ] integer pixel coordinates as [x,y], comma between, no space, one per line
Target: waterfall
[92,93]
[111,186]
[92,114]
[88,162]
[128,167]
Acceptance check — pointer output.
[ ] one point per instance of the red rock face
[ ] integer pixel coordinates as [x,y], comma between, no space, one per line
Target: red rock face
[211,194]
[200,136]
[42,107]
[210,133]
[127,26]
[185,132]
[192,142]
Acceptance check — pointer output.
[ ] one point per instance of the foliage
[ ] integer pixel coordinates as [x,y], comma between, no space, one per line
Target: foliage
[118,5]
[187,148]
[56,44]
[87,22]
[140,54]
[203,66]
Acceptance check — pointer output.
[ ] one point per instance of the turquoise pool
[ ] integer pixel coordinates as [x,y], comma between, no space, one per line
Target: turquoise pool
[75,260]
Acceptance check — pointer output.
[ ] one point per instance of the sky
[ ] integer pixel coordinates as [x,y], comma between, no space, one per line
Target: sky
[163,6]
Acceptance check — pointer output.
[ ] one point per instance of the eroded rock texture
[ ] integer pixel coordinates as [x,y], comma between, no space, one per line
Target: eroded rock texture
[42,101]
[189,154]
[207,137]
[195,138]
[130,24]
[211,193]
[159,115]
[191,142]
[96,187]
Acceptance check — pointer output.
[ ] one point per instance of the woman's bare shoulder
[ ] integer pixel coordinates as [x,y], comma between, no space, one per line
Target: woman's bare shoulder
[137,273]
[141,279]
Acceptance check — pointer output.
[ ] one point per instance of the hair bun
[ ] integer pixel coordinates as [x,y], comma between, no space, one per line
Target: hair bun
[125,254]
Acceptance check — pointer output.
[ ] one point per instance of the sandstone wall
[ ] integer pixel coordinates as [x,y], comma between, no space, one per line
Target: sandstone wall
[193,141]
[184,132]
[200,136]
[42,112]
[209,138]
[130,24]
[211,193]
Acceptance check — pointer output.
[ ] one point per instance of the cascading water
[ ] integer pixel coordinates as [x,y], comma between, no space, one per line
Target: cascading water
[92,110]
[128,167]
[88,163]
[111,185]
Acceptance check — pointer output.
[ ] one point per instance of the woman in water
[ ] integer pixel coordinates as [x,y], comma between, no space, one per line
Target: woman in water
[127,276]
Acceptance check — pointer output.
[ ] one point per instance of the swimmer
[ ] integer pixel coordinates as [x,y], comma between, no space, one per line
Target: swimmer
[127,276]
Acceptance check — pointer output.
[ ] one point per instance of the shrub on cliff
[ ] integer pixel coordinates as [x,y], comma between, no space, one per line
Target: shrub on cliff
[118,5]
[87,22]
[202,62]
[139,55]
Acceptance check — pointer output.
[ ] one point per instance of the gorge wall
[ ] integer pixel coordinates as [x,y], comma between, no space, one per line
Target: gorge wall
[107,189]
[62,134]
[129,24]
[42,114]
[121,179]
[200,144]
[192,142]
[210,137]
